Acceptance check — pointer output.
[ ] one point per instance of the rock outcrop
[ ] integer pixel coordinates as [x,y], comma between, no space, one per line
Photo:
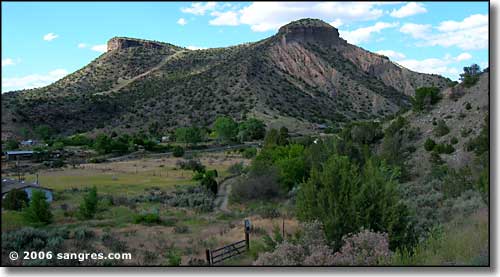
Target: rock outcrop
[118,43]
[310,30]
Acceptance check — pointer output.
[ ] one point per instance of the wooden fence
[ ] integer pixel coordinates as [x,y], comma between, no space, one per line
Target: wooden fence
[228,251]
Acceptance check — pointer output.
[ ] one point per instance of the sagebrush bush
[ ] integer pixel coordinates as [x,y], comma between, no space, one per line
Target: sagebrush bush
[191,164]
[364,248]
[147,218]
[310,248]
[31,239]
[236,168]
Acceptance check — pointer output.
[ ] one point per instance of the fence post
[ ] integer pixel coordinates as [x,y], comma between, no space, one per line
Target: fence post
[207,252]
[247,233]
[247,240]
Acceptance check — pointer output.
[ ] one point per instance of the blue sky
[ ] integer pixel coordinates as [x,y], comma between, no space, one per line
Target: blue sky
[42,42]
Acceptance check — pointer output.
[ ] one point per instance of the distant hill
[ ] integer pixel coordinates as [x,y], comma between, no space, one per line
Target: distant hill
[303,75]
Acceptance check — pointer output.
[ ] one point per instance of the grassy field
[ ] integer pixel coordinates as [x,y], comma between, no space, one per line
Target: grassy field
[185,231]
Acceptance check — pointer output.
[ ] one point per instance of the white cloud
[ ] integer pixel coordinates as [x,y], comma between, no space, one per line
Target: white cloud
[182,21]
[416,30]
[82,45]
[269,16]
[393,55]
[463,57]
[200,8]
[192,47]
[468,34]
[228,18]
[409,9]
[336,23]
[33,80]
[100,48]
[50,37]
[471,22]
[7,62]
[364,34]
[446,66]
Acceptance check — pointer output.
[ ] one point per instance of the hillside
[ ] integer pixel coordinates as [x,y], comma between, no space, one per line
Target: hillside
[463,110]
[305,74]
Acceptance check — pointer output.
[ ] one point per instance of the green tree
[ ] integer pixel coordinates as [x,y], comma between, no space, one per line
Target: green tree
[251,129]
[44,132]
[192,135]
[103,144]
[329,196]
[283,136]
[178,151]
[470,75]
[345,200]
[11,144]
[226,128]
[271,138]
[88,207]
[209,182]
[429,144]
[425,97]
[38,211]
[16,199]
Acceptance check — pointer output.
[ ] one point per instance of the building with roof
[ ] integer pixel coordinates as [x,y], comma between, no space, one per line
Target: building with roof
[11,184]
[24,154]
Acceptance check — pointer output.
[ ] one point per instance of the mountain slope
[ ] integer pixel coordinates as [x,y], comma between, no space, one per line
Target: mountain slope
[304,74]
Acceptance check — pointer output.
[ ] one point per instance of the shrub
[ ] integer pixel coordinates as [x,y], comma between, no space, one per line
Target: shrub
[196,197]
[191,164]
[429,144]
[310,249]
[173,258]
[470,75]
[236,168]
[257,186]
[181,229]
[88,207]
[365,248]
[425,97]
[83,233]
[249,153]
[112,243]
[443,148]
[467,203]
[38,211]
[16,199]
[11,144]
[454,140]
[24,239]
[441,128]
[147,218]
[370,199]
[178,151]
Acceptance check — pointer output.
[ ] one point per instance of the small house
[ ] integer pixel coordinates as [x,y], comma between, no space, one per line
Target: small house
[11,184]
[21,154]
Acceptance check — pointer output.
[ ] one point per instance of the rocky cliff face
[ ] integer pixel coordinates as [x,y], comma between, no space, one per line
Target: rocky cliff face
[118,43]
[305,73]
[310,30]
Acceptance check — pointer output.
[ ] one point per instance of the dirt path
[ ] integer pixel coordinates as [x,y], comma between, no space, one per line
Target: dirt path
[156,67]
[222,198]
